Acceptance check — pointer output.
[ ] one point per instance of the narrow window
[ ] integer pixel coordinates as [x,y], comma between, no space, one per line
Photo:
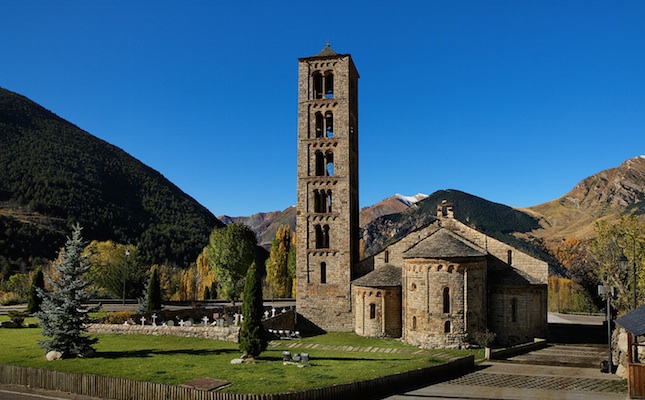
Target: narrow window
[323,272]
[318,85]
[329,85]
[329,125]
[319,125]
[330,163]
[316,201]
[509,256]
[372,310]
[319,236]
[446,300]
[446,327]
[325,237]
[329,201]
[414,323]
[320,163]
[514,309]
[386,256]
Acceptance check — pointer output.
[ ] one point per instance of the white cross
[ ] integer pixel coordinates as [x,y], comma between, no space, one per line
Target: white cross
[154,319]
[143,321]
[181,322]
[205,319]
[266,314]
[272,312]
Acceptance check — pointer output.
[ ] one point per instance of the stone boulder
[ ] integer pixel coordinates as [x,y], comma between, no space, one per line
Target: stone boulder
[54,355]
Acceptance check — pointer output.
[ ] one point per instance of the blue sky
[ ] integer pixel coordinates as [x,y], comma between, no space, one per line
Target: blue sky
[512,101]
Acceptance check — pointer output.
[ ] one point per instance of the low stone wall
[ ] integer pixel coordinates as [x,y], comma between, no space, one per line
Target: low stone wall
[537,344]
[229,334]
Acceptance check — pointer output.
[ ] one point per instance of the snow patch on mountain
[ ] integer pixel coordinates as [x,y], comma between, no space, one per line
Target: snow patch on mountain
[409,200]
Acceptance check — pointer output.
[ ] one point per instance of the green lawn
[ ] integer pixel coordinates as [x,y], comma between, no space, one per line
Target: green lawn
[174,360]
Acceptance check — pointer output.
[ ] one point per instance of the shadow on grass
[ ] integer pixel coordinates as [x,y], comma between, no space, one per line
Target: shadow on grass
[313,359]
[145,353]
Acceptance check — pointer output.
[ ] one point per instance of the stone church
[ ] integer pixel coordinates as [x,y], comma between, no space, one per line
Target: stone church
[435,287]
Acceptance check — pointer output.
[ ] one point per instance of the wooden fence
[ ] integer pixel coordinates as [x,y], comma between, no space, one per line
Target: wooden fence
[126,389]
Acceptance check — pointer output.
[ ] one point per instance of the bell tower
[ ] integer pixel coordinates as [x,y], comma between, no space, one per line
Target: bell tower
[327,208]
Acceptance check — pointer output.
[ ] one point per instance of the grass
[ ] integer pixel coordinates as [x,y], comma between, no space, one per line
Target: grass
[175,360]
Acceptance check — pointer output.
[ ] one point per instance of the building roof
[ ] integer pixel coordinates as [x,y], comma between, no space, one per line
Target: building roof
[444,244]
[327,51]
[633,321]
[510,276]
[387,275]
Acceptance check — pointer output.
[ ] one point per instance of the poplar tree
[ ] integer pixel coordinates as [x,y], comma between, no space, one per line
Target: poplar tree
[253,338]
[63,317]
[277,265]
[231,250]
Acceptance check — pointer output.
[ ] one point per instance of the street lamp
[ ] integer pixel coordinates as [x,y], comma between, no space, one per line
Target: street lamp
[623,263]
[607,291]
[125,267]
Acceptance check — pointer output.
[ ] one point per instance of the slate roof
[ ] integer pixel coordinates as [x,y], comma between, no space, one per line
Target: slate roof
[385,276]
[510,276]
[327,51]
[633,321]
[444,244]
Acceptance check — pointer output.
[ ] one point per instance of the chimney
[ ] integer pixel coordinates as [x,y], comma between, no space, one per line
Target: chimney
[445,210]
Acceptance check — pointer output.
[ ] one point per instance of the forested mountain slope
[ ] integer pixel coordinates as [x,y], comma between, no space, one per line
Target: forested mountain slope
[54,174]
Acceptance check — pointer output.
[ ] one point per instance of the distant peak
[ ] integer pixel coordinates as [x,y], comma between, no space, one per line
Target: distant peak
[409,200]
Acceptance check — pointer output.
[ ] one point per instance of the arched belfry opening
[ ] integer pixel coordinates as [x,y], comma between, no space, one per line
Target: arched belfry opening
[327,207]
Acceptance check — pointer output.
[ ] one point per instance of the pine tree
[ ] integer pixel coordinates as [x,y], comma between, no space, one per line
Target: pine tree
[153,301]
[63,317]
[253,338]
[34,301]
[207,293]
[277,264]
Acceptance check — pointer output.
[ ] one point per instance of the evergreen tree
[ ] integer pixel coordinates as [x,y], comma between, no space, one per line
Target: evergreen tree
[63,317]
[277,265]
[154,292]
[231,250]
[253,338]
[214,291]
[34,301]
[207,293]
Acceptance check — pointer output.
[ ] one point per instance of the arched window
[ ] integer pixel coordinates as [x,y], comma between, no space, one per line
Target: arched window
[323,272]
[514,309]
[329,201]
[446,300]
[446,327]
[320,163]
[509,256]
[319,125]
[329,159]
[329,85]
[318,85]
[414,323]
[386,256]
[372,310]
[329,124]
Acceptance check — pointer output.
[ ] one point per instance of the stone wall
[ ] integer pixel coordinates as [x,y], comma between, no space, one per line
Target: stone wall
[385,320]
[518,313]
[228,334]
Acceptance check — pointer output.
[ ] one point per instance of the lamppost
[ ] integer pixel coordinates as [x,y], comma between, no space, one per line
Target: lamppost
[125,268]
[609,292]
[623,263]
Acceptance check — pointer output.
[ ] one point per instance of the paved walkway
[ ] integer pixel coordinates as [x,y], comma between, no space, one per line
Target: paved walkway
[531,376]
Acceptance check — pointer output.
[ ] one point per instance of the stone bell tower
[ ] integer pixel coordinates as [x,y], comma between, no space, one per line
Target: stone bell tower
[327,209]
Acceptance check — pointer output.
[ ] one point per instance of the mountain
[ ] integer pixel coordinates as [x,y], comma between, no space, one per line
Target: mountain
[265,224]
[392,205]
[608,194]
[54,174]
[496,220]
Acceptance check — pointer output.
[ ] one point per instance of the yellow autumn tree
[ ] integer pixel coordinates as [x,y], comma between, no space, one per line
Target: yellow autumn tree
[278,276]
